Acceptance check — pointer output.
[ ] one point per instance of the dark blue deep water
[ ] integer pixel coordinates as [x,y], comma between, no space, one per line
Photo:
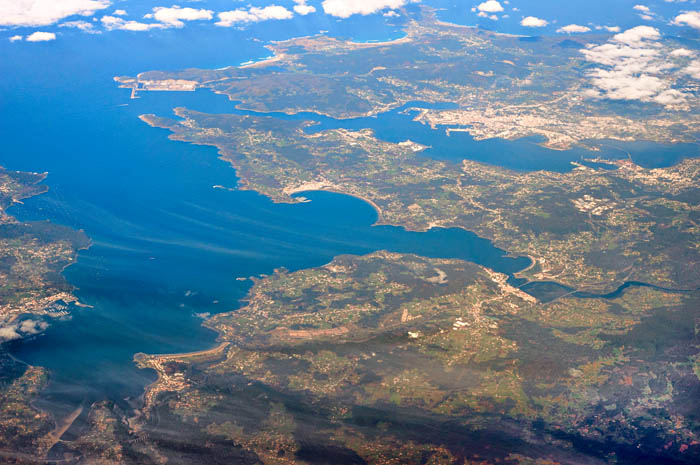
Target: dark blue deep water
[166,246]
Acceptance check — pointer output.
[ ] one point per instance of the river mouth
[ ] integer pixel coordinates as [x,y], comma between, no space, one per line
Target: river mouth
[398,125]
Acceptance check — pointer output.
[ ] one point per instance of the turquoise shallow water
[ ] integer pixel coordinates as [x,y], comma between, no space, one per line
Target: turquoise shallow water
[166,246]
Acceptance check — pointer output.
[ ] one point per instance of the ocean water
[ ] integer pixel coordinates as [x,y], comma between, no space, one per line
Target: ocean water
[166,245]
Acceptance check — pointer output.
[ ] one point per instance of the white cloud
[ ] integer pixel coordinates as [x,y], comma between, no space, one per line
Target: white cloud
[271,12]
[165,17]
[483,14]
[9,333]
[229,18]
[16,38]
[45,12]
[302,8]
[347,8]
[490,6]
[610,54]
[633,67]
[253,15]
[670,97]
[574,28]
[693,69]
[637,35]
[112,23]
[621,84]
[643,8]
[532,21]
[119,13]
[19,330]
[612,28]
[689,18]
[174,16]
[32,327]
[40,36]
[682,52]
[82,25]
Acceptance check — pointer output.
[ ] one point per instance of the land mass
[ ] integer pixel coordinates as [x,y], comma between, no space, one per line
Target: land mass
[400,359]
[590,229]
[561,89]
[395,358]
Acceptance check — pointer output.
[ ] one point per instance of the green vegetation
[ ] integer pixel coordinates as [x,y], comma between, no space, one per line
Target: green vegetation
[315,361]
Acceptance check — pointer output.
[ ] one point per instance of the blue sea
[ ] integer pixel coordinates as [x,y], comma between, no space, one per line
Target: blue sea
[167,248]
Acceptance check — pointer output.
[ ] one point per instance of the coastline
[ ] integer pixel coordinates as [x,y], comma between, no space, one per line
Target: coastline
[401,40]
[197,353]
[243,184]
[263,62]
[284,197]
[37,307]
[83,242]
[377,209]
[155,361]
[306,188]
